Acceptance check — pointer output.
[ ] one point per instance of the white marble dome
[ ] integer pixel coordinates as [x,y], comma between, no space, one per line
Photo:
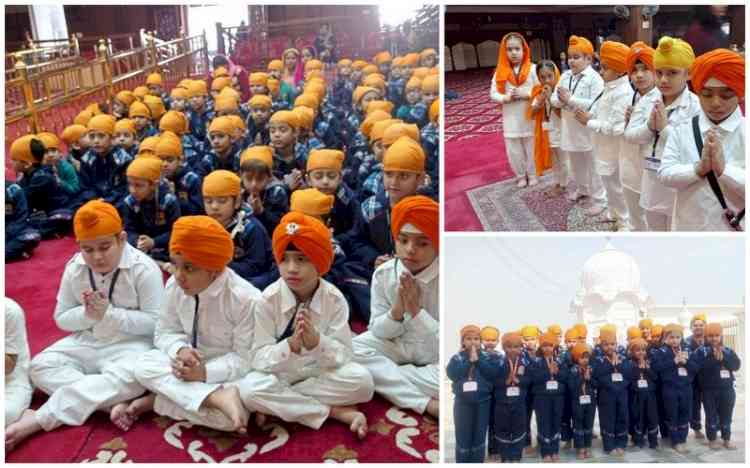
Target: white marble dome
[610,272]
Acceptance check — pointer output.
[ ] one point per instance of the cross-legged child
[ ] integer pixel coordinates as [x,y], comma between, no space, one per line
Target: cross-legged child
[257,122]
[76,138]
[582,393]
[289,158]
[514,78]
[21,238]
[548,385]
[17,385]
[223,154]
[644,414]
[183,182]
[65,172]
[611,373]
[199,114]
[269,198]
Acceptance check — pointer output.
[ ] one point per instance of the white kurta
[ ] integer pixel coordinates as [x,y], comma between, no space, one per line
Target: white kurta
[93,367]
[584,87]
[402,356]
[697,208]
[634,151]
[17,385]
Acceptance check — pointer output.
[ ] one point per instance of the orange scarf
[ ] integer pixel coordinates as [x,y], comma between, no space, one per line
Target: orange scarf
[542,151]
[504,70]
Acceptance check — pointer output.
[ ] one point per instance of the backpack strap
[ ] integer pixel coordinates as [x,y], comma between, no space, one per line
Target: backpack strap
[712,181]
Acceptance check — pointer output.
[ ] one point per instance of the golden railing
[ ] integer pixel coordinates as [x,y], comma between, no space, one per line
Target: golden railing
[33,97]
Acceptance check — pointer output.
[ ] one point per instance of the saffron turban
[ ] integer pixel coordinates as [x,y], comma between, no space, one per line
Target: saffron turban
[221,183]
[309,235]
[723,65]
[311,202]
[145,168]
[489,333]
[581,45]
[421,212]
[615,56]
[96,219]
[640,52]
[404,155]
[202,241]
[325,159]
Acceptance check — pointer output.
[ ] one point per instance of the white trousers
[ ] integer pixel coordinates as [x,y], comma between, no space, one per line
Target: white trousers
[656,221]
[560,166]
[615,197]
[521,155]
[635,212]
[82,377]
[588,181]
[397,380]
[18,393]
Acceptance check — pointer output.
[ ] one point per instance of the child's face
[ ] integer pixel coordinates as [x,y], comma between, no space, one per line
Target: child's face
[179,104]
[169,166]
[282,134]
[400,184]
[514,49]
[489,345]
[570,343]
[102,254]
[298,272]
[274,74]
[413,96]
[671,81]
[655,340]
[713,340]
[406,71]
[643,78]
[396,72]
[415,250]
[384,68]
[20,166]
[141,189]
[260,115]
[378,150]
[639,353]
[52,157]
[190,278]
[673,340]
[84,142]
[220,141]
[428,98]
[582,339]
[325,180]
[154,90]
[698,327]
[255,181]
[512,351]
[718,104]
[118,107]
[290,60]
[100,141]
[607,347]
[221,208]
[547,349]
[306,55]
[583,361]
[530,343]
[470,341]
[124,139]
[429,61]
[356,75]
[345,72]
[140,122]
[366,99]
[197,103]
[258,89]
[607,73]
[578,62]
[547,77]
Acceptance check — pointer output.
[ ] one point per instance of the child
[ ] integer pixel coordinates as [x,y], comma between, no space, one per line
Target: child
[65,173]
[20,236]
[252,246]
[400,348]
[428,58]
[278,102]
[178,98]
[257,83]
[343,86]
[17,385]
[286,92]
[717,364]
[383,60]
[641,69]
[289,158]
[302,332]
[361,97]
[192,150]
[156,107]
[183,182]
[581,392]
[76,138]
[548,385]
[429,138]
[645,326]
[223,154]
[530,336]
[124,136]
[702,205]
[199,115]
[489,338]
[109,299]
[257,124]
[154,84]
[413,96]
[472,391]
[514,78]
[612,375]
[121,104]
[306,116]
[577,89]
[605,118]
[694,342]
[653,123]
[363,160]
[141,116]
[547,141]
[268,198]
[396,82]
[150,209]
[644,414]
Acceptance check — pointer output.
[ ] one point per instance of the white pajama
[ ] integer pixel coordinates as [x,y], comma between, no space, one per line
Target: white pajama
[560,166]
[588,181]
[402,356]
[657,222]
[521,156]
[635,212]
[92,368]
[18,388]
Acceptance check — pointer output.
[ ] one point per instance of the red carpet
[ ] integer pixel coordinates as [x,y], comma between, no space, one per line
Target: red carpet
[474,148]
[395,436]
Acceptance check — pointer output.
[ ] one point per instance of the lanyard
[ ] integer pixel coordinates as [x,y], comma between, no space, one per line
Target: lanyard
[111,285]
[583,380]
[595,99]
[656,138]
[512,380]
[195,323]
[635,98]
[570,83]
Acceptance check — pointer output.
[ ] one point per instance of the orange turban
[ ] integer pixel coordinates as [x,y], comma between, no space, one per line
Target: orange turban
[104,123]
[615,56]
[148,145]
[168,145]
[96,219]
[139,109]
[431,84]
[359,64]
[263,154]
[275,65]
[125,125]
[154,79]
[258,78]
[607,336]
[307,100]
[226,104]
[178,93]
[512,339]
[202,241]
[411,59]
[434,110]
[554,329]
[581,329]
[306,117]
[197,88]
[637,343]
[579,350]
[73,133]
[260,100]
[221,183]
[382,57]
[20,150]
[220,83]
[140,92]
[699,316]
[548,339]
[313,64]
[645,323]
[370,69]
[634,332]
[672,328]
[221,124]
[394,132]
[530,331]
[145,168]
[50,140]
[713,329]
[470,330]
[413,83]
[155,106]
[504,70]
[175,122]
[325,159]
[580,44]
[640,52]
[404,155]
[311,202]
[656,331]
[125,97]
[489,333]
[386,106]
[375,80]
[723,65]
[83,117]
[359,93]
[571,334]
[287,117]
[344,63]
[373,118]
[378,129]
[421,212]
[309,235]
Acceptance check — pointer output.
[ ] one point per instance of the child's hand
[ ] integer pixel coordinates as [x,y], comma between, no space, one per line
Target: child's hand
[628,113]
[310,336]
[397,311]
[658,119]
[256,203]
[188,356]
[563,94]
[514,95]
[703,166]
[716,152]
[473,355]
[582,116]
[411,294]
[382,259]
[553,368]
[96,305]
[192,373]
[295,341]
[145,243]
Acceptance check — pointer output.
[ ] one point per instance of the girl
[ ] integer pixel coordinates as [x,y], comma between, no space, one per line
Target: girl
[547,127]
[548,380]
[582,397]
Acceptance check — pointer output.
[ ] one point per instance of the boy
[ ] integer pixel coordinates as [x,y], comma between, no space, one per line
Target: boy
[612,374]
[307,138]
[702,177]
[489,337]
[289,158]
[302,332]
[223,154]
[110,296]
[199,115]
[268,198]
[178,99]
[548,385]
[124,136]
[65,173]
[141,116]
[605,118]
[577,89]
[359,153]
[361,97]
[156,107]
[76,138]
[370,171]
[644,414]
[150,209]
[121,104]
[581,393]
[400,348]
[252,246]
[20,236]
[694,342]
[257,83]
[343,86]
[17,385]
[192,150]
[183,182]
[430,138]
[396,82]
[257,124]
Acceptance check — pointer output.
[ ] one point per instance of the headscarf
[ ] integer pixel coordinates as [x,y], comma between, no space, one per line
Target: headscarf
[504,70]
[542,150]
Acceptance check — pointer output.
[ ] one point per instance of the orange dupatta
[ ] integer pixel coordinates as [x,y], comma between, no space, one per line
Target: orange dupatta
[504,70]
[542,152]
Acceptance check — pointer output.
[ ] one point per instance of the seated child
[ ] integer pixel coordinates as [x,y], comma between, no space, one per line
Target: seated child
[199,114]
[268,198]
[140,114]
[76,138]
[183,182]
[359,155]
[278,102]
[124,136]
[306,138]
[20,236]
[369,177]
[258,83]
[223,154]
[257,124]
[413,110]
[121,104]
[361,97]
[178,99]
[429,136]
[289,158]
[286,92]
[192,150]
[17,385]
[65,172]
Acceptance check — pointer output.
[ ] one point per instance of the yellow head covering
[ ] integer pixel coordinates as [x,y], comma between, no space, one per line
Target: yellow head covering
[673,53]
[311,202]
[405,155]
[489,333]
[145,168]
[263,154]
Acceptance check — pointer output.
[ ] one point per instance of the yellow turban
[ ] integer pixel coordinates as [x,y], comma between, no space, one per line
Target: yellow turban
[672,328]
[197,88]
[125,97]
[344,63]
[373,118]
[530,331]
[305,115]
[645,323]
[404,155]
[396,131]
[140,92]
[359,64]
[287,117]
[273,86]
[220,71]
[434,110]
[579,350]
[125,125]
[258,79]
[145,168]
[673,53]
[20,150]
[555,329]
[430,84]
[96,219]
[50,140]
[260,101]
[275,65]
[489,333]
[148,145]
[104,123]
[168,145]
[72,133]
[220,83]
[380,127]
[359,93]
[313,64]
[178,93]
[263,154]
[154,79]
[382,57]
[175,122]
[699,316]
[325,159]
[139,109]
[226,104]
[155,106]
[581,329]
[221,124]
[202,241]
[221,183]
[571,334]
[414,83]
[311,202]
[411,59]
[307,100]
[379,105]
[83,117]
[634,332]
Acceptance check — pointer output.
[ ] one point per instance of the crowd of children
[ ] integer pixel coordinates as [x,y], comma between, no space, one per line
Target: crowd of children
[650,382]
[654,140]
[280,220]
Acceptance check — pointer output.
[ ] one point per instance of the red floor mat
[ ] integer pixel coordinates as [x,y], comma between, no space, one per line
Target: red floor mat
[395,436]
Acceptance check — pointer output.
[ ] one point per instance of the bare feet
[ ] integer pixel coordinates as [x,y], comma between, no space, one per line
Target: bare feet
[714,444]
[587,453]
[581,454]
[260,419]
[228,401]
[729,445]
[21,429]
[120,417]
[356,420]
[433,408]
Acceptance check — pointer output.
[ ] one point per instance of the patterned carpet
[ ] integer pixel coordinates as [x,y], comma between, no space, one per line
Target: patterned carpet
[473,113]
[395,435]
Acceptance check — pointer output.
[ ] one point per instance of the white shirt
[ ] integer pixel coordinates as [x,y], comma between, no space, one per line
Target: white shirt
[417,334]
[133,310]
[587,86]
[608,124]
[226,311]
[15,340]
[633,152]
[330,316]
[553,125]
[515,123]
[697,207]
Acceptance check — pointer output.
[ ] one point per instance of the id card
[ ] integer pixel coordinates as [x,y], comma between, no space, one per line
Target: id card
[652,164]
[616,377]
[682,372]
[512,391]
[520,370]
[470,386]
[545,126]
[642,383]
[552,385]
[584,399]
[724,374]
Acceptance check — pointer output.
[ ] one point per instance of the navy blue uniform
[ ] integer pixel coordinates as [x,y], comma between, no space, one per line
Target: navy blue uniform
[677,391]
[187,189]
[510,405]
[566,428]
[199,122]
[430,141]
[151,219]
[20,237]
[396,91]
[104,176]
[695,419]
[582,399]
[663,429]
[253,257]
[716,380]
[282,167]
[213,162]
[253,130]
[644,415]
[275,205]
[147,131]
[50,212]
[549,392]
[613,401]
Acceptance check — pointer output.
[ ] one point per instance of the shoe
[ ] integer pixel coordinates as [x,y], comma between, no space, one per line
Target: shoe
[595,209]
[521,182]
[533,181]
